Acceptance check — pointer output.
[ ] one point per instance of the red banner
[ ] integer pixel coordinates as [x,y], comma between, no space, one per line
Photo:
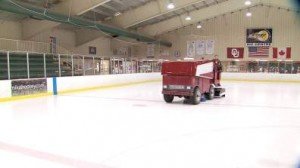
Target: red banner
[235,53]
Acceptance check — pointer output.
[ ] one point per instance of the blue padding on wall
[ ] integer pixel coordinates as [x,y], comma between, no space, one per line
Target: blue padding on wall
[54,86]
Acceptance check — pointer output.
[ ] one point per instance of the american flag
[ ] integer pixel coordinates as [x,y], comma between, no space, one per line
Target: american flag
[262,51]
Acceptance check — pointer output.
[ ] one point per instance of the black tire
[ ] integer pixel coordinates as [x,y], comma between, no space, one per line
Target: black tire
[196,98]
[211,94]
[168,98]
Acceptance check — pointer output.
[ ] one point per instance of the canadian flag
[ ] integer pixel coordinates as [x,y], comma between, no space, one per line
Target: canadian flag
[282,53]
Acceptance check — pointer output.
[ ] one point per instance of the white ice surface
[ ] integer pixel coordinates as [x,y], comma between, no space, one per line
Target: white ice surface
[257,125]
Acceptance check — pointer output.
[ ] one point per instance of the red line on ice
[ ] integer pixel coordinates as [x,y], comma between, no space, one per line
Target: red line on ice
[49,157]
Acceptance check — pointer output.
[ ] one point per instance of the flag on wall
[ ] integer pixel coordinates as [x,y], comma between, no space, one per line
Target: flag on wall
[236,53]
[282,53]
[261,51]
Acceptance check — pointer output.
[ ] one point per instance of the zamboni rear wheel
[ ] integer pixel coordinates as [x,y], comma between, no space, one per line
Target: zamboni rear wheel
[168,98]
[196,98]
[211,94]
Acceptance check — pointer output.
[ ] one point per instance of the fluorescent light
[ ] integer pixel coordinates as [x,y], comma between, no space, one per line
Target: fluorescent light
[247,3]
[171,5]
[248,14]
[199,26]
[188,18]
[117,13]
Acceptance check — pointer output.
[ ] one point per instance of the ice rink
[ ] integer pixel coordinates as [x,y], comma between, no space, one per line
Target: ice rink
[257,125]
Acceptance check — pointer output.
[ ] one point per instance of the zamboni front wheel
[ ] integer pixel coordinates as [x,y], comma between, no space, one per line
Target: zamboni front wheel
[168,98]
[196,98]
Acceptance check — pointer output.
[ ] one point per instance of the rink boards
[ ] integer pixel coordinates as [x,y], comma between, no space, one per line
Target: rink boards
[63,85]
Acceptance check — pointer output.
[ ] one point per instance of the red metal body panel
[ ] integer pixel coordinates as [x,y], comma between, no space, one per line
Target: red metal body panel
[179,75]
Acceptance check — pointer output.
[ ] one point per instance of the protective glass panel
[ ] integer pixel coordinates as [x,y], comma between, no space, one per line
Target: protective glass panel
[78,65]
[66,65]
[52,65]
[18,65]
[36,65]
[263,66]
[88,66]
[3,66]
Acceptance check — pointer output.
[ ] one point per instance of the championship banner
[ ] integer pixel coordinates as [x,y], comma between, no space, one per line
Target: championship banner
[235,53]
[191,46]
[259,37]
[150,51]
[200,47]
[124,51]
[53,43]
[165,53]
[210,47]
[177,54]
[92,50]
[28,86]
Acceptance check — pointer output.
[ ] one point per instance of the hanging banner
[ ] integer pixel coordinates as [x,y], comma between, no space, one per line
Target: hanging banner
[282,53]
[177,54]
[92,50]
[165,53]
[235,53]
[200,47]
[259,37]
[210,47]
[53,43]
[124,51]
[150,50]
[259,51]
[191,49]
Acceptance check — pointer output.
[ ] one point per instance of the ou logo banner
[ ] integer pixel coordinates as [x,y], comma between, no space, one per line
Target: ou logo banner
[235,53]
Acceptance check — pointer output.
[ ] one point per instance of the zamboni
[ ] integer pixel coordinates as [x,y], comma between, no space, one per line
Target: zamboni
[192,80]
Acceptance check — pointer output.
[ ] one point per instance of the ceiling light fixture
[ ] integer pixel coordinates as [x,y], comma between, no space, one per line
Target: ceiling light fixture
[248,2]
[188,17]
[248,14]
[171,5]
[199,26]
[117,13]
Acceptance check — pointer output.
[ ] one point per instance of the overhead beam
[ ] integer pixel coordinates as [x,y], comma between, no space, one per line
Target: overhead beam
[149,11]
[28,10]
[79,7]
[33,27]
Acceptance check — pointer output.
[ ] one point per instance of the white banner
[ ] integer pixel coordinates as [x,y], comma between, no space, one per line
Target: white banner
[165,53]
[210,47]
[200,47]
[150,50]
[191,48]
[177,54]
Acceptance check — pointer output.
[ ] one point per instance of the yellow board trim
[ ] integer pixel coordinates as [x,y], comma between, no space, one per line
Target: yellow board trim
[260,81]
[16,98]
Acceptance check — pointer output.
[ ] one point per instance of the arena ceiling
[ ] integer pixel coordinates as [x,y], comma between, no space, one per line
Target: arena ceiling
[151,17]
